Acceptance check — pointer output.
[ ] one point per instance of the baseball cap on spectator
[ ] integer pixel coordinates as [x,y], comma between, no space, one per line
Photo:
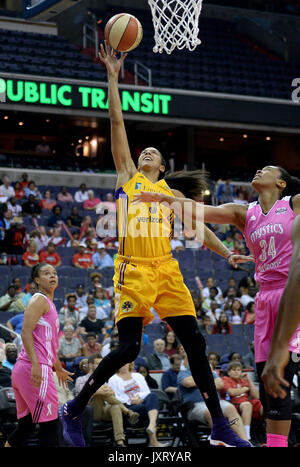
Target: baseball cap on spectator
[101,245]
[82,244]
[78,286]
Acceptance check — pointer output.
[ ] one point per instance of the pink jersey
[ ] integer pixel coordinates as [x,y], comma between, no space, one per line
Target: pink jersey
[45,336]
[268,237]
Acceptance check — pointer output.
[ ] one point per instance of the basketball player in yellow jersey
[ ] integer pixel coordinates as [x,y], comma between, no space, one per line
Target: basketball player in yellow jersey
[147,275]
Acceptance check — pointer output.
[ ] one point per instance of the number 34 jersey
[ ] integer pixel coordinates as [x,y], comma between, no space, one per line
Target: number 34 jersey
[268,237]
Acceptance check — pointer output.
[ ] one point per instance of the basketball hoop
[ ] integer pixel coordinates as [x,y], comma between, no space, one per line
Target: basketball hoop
[175,24]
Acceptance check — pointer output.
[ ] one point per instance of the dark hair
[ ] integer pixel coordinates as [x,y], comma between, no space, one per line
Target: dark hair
[35,271]
[220,325]
[174,357]
[93,357]
[144,366]
[292,183]
[91,334]
[190,183]
[175,343]
[232,354]
[214,288]
[249,305]
[214,353]
[233,365]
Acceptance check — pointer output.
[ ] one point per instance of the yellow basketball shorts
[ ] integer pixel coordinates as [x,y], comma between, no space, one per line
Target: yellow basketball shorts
[142,283]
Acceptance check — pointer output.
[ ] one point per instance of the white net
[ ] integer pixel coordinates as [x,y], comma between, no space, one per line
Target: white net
[176,24]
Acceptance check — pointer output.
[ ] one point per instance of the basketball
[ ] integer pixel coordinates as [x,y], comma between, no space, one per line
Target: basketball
[123,32]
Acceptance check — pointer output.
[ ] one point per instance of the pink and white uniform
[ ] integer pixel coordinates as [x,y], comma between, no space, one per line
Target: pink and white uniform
[41,402]
[268,237]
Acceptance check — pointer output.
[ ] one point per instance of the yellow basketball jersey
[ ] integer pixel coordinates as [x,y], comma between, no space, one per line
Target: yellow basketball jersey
[144,229]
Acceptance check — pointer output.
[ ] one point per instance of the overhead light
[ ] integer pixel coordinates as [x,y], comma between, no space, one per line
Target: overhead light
[221,139]
[245,136]
[21,123]
[87,137]
[207,192]
[5,117]
[47,120]
[80,141]
[268,138]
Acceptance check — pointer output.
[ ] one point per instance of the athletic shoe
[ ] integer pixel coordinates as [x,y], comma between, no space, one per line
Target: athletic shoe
[223,435]
[72,431]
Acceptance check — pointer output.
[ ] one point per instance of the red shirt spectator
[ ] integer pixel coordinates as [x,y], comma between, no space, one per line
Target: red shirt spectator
[30,259]
[222,325]
[82,259]
[50,256]
[19,192]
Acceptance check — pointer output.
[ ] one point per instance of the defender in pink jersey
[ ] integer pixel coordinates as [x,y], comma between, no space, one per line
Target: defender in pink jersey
[32,376]
[267,227]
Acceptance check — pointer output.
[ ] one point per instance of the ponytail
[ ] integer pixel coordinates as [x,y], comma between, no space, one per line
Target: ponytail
[292,183]
[190,183]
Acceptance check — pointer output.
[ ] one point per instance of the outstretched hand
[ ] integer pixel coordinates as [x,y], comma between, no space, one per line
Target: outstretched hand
[146,197]
[108,56]
[235,259]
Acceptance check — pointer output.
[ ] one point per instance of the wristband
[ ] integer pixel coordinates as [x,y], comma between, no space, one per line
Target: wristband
[228,256]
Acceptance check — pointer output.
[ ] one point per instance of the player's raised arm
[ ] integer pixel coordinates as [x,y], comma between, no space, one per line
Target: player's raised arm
[287,320]
[229,213]
[119,143]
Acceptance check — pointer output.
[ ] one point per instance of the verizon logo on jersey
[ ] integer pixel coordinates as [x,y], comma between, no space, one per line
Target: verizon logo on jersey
[265,230]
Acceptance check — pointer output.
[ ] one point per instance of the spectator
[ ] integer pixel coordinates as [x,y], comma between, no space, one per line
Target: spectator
[213,312]
[243,394]
[249,358]
[50,256]
[43,147]
[169,378]
[91,346]
[106,406]
[74,219]
[64,196]
[144,370]
[87,228]
[229,297]
[248,294]
[31,207]
[102,259]
[81,195]
[171,344]
[111,339]
[109,204]
[214,359]
[11,354]
[16,323]
[228,242]
[132,390]
[206,290]
[222,326]
[236,312]
[70,310]
[7,218]
[199,412]
[6,191]
[69,346]
[24,182]
[47,202]
[57,218]
[32,289]
[74,242]
[81,259]
[10,301]
[92,202]
[5,373]
[184,361]
[16,237]
[102,302]
[213,292]
[40,237]
[206,325]
[96,279]
[249,316]
[56,238]
[81,300]
[90,323]
[158,360]
[19,192]
[31,189]
[225,192]
[17,283]
[15,208]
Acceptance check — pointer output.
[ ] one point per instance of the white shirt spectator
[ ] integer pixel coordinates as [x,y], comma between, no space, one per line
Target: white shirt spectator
[205,293]
[80,196]
[6,193]
[136,386]
[245,299]
[16,209]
